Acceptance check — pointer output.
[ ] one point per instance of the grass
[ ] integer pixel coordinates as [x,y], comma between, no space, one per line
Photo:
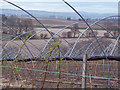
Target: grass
[60,27]
[5,36]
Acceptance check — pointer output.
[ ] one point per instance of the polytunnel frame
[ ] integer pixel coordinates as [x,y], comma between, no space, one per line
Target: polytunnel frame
[52,36]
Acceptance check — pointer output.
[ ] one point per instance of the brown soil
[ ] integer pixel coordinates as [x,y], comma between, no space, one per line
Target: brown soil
[29,78]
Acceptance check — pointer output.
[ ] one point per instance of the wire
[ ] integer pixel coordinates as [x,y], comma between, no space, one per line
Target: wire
[62,73]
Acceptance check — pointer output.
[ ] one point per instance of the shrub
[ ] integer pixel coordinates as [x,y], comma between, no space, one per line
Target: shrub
[69,34]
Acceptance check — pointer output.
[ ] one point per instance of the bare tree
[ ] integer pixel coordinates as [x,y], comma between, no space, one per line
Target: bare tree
[64,34]
[28,25]
[106,34]
[115,31]
[108,25]
[91,34]
[12,21]
[111,28]
[69,34]
[75,29]
[115,34]
[20,26]
[41,35]
[4,18]
[5,30]
[45,36]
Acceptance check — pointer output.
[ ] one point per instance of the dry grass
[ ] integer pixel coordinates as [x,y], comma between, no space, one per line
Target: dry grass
[58,22]
[100,32]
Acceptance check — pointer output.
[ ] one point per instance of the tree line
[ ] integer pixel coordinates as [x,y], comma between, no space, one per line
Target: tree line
[19,25]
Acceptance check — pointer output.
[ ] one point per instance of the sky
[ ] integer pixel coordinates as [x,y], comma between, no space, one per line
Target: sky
[93,6]
[65,0]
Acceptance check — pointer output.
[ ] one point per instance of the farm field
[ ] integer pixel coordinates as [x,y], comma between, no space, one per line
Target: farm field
[59,74]
[71,49]
[100,32]
[58,22]
[31,74]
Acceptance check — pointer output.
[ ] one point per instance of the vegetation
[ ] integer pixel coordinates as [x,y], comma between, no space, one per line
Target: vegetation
[18,25]
[44,73]
[75,30]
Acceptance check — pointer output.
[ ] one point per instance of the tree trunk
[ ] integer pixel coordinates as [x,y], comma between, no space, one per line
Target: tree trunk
[74,35]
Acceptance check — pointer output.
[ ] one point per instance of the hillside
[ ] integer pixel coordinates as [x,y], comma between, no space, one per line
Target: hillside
[61,15]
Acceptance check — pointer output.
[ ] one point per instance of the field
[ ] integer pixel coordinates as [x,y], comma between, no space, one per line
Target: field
[57,22]
[31,74]
[100,74]
[40,72]
[100,32]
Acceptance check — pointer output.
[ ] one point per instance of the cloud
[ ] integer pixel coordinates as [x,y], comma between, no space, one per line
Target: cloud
[98,7]
[62,1]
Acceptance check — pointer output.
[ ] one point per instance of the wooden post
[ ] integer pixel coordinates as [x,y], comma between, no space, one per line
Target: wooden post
[1,54]
[84,72]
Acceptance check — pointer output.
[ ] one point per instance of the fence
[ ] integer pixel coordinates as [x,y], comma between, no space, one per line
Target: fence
[32,74]
[44,63]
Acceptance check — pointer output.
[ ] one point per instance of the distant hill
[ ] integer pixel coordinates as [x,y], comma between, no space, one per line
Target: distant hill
[61,15]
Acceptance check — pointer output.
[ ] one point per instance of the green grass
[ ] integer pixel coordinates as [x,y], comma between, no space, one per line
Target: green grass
[5,36]
[8,37]
[60,27]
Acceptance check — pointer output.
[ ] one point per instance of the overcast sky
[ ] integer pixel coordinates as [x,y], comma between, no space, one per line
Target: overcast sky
[65,0]
[107,6]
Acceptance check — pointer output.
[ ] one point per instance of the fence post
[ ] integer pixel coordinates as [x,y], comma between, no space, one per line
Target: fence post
[1,54]
[67,73]
[84,72]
